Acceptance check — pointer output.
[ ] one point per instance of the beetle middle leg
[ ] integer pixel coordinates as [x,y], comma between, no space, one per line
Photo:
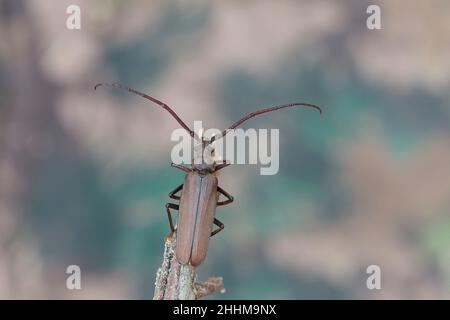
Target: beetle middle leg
[218,223]
[169,214]
[172,194]
[229,197]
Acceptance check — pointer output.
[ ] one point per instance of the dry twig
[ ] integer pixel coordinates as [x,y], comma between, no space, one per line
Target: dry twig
[175,281]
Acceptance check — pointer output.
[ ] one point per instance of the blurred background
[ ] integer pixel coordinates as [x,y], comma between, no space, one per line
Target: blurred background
[84,174]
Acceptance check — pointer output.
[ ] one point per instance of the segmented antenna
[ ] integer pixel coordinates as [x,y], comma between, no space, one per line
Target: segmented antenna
[258,112]
[154,100]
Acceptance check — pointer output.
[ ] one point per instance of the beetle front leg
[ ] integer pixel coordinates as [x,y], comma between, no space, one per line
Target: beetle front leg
[219,224]
[172,194]
[169,214]
[229,197]
[181,167]
[221,165]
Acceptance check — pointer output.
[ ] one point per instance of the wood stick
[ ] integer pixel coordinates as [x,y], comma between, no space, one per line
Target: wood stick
[175,281]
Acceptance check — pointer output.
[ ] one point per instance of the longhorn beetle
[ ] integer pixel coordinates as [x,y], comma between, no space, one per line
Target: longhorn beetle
[200,191]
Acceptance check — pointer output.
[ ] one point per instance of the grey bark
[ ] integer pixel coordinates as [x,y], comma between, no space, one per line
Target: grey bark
[175,281]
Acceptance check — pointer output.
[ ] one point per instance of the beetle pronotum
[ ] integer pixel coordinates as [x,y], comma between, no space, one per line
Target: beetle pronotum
[199,191]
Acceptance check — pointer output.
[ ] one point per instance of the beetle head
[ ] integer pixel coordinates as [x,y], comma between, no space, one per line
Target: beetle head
[203,161]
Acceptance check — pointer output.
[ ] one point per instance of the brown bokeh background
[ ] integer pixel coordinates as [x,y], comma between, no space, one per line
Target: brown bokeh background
[84,174]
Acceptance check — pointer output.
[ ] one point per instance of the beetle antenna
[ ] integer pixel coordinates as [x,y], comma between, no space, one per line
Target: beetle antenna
[154,100]
[258,112]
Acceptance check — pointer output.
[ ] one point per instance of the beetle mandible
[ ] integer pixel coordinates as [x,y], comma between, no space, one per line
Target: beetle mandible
[200,191]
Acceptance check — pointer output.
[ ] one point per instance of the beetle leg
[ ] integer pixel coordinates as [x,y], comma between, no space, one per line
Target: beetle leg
[221,161]
[229,200]
[222,165]
[219,224]
[172,193]
[169,214]
[181,167]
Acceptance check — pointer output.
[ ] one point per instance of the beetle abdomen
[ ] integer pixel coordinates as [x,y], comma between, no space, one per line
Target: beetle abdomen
[196,216]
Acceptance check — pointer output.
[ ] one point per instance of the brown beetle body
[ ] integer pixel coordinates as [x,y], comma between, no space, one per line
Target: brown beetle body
[200,189]
[197,208]
[196,217]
